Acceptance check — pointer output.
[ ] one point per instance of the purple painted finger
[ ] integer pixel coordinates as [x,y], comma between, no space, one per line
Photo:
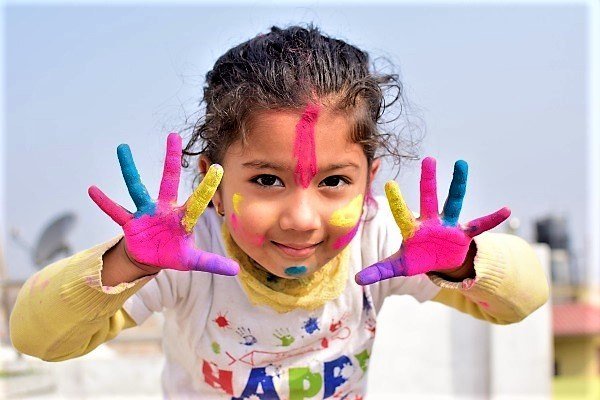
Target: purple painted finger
[480,225]
[429,200]
[204,261]
[172,170]
[380,271]
[118,214]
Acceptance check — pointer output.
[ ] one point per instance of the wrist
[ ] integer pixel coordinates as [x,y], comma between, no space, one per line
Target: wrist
[118,267]
[464,271]
[143,268]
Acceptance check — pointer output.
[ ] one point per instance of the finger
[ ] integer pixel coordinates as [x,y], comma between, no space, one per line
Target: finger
[172,170]
[480,225]
[118,214]
[429,201]
[403,216]
[380,271]
[199,260]
[198,201]
[136,189]
[456,194]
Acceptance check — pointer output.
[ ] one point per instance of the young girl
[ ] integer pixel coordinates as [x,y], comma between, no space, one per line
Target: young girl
[273,291]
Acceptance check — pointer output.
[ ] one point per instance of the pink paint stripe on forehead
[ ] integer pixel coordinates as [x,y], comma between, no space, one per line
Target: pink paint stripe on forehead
[304,146]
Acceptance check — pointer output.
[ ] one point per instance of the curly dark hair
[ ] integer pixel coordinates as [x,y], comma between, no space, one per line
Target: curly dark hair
[289,69]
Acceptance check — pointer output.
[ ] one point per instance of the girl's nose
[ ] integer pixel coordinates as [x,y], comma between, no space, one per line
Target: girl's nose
[299,213]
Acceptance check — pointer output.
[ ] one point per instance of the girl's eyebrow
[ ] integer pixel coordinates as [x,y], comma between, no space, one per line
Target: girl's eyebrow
[261,164]
[335,166]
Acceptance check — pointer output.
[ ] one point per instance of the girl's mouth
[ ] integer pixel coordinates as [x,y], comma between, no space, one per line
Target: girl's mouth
[297,250]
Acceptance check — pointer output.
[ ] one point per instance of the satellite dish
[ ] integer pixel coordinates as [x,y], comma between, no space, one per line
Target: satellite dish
[52,241]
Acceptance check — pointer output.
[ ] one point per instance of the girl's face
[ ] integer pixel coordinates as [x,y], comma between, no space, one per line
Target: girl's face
[293,194]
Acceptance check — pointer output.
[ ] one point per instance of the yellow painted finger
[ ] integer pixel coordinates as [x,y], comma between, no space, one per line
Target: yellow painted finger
[198,201]
[348,215]
[402,214]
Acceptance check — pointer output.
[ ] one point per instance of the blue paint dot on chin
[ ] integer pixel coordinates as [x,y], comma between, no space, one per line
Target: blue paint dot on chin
[296,270]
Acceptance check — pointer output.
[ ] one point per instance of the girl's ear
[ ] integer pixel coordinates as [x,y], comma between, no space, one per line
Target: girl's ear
[203,164]
[374,168]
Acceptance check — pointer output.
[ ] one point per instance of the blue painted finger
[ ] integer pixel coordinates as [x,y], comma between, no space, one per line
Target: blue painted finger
[456,194]
[136,188]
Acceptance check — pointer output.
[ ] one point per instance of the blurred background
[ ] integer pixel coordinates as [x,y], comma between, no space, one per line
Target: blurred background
[510,87]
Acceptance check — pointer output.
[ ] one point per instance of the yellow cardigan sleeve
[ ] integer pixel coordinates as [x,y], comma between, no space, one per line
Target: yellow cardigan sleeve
[509,284]
[63,311]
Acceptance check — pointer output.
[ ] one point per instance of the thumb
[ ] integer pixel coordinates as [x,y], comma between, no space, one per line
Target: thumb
[199,260]
[380,271]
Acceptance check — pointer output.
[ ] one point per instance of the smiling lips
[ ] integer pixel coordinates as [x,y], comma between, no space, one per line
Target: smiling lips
[297,250]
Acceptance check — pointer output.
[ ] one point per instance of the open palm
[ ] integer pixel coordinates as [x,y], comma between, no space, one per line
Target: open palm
[160,233]
[433,242]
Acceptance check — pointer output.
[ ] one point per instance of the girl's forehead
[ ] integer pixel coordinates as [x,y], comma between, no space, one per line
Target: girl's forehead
[278,130]
[305,143]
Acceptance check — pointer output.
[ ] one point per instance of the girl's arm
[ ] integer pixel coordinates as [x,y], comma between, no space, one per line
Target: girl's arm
[72,306]
[509,281]
[64,311]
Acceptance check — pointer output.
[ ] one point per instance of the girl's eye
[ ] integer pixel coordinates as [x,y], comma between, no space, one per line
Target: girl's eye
[335,181]
[267,180]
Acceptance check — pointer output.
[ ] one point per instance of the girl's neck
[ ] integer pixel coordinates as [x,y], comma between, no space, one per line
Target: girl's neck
[270,277]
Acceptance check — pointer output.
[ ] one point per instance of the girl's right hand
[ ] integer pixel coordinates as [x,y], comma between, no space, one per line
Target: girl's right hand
[159,235]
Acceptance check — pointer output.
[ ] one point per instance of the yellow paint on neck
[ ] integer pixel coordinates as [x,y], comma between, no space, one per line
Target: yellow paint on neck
[348,215]
[237,199]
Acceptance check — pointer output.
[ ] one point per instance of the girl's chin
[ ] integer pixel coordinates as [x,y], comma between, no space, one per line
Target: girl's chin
[292,270]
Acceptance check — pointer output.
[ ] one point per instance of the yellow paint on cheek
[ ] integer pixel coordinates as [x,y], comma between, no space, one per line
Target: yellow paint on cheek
[256,240]
[237,199]
[348,215]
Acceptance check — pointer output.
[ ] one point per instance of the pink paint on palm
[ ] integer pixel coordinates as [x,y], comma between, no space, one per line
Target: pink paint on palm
[433,247]
[345,239]
[304,146]
[160,239]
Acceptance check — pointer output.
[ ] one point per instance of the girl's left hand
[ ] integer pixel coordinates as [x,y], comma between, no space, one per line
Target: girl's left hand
[432,242]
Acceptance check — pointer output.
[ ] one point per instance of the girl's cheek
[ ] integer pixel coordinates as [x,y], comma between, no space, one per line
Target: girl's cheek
[244,221]
[347,218]
[343,240]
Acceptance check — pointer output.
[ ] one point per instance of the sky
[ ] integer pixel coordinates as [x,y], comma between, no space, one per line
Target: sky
[504,87]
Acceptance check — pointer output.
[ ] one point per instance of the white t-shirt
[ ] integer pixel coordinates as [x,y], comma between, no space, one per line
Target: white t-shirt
[218,345]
